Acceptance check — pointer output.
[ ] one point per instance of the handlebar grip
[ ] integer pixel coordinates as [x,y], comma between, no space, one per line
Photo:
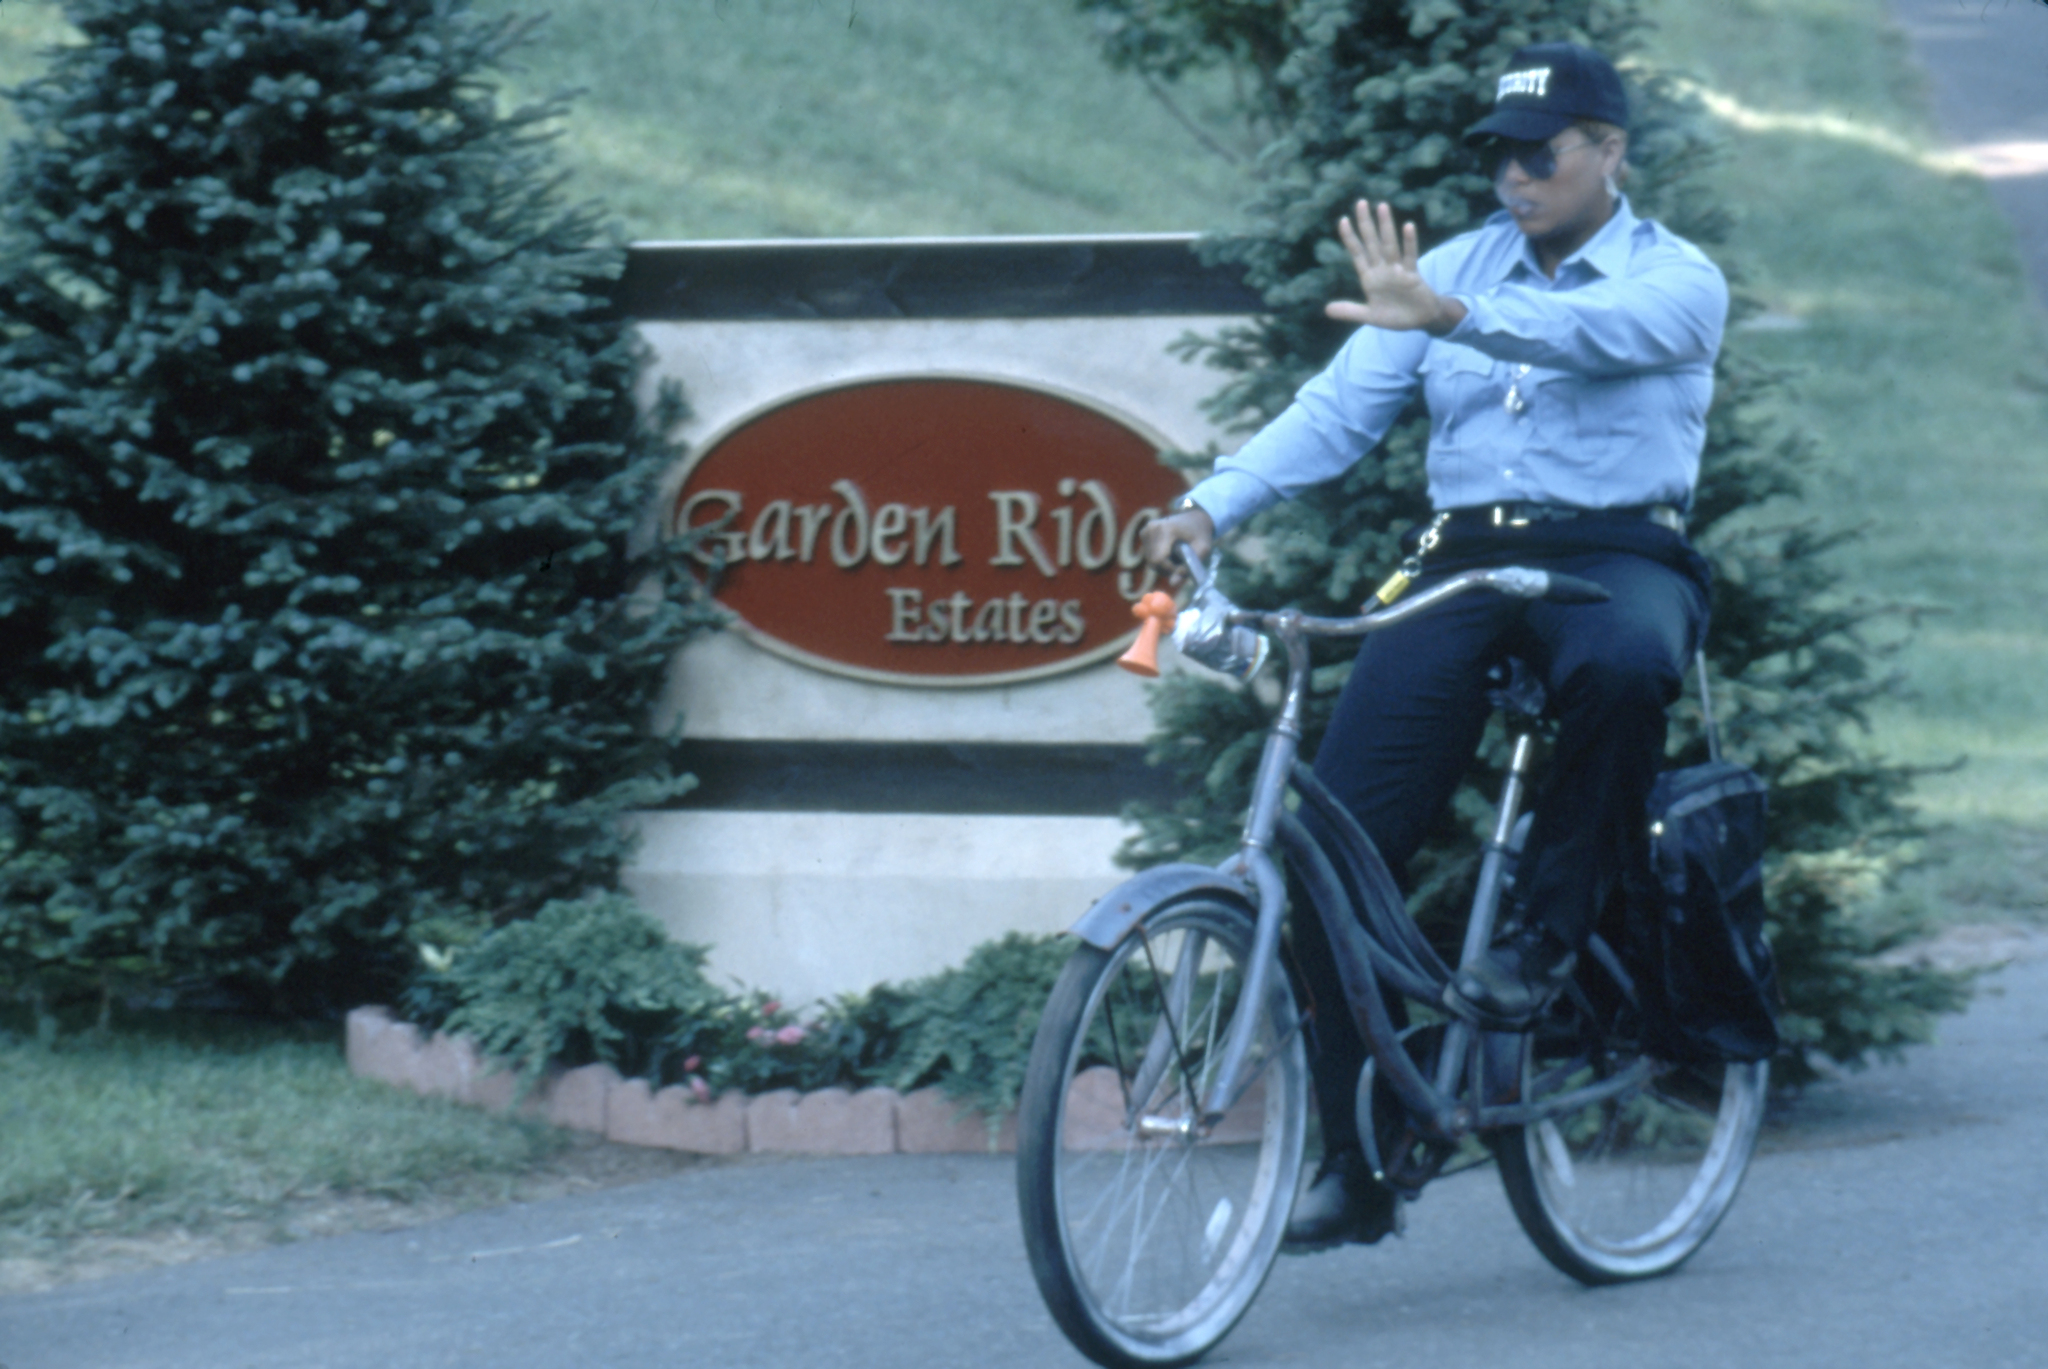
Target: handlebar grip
[1571,589]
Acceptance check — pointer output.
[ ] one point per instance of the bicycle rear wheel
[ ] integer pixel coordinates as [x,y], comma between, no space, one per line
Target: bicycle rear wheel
[1148,1234]
[1629,1187]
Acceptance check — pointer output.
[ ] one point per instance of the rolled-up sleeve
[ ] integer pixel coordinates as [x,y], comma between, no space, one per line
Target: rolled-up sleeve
[1334,419]
[1669,314]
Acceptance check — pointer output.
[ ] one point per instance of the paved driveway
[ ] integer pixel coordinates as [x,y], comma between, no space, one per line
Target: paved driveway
[1901,1219]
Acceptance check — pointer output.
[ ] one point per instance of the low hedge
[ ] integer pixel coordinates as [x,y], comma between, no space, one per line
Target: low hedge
[597,981]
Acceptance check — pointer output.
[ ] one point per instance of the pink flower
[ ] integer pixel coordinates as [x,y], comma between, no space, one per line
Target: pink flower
[693,1064]
[756,1033]
[790,1034]
[700,1090]
[771,1007]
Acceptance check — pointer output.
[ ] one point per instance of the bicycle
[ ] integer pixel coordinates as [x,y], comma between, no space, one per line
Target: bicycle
[1163,1115]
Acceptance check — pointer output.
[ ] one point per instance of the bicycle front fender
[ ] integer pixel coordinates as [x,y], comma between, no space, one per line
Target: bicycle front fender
[1118,911]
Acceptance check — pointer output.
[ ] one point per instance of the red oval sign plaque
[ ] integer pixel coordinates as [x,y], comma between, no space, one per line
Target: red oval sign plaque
[930,531]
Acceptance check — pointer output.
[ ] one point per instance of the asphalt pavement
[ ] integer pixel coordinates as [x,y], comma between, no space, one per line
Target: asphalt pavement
[1898,1217]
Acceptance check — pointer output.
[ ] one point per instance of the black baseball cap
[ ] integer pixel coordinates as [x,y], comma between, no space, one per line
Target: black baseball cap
[1547,88]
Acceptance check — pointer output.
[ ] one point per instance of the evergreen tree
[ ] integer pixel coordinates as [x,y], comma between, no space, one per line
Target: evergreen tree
[319,456]
[1366,98]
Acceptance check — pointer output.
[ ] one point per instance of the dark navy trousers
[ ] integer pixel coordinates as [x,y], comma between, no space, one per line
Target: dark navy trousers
[1410,719]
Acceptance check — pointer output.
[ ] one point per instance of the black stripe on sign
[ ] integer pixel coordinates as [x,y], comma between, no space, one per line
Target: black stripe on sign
[905,777]
[915,278]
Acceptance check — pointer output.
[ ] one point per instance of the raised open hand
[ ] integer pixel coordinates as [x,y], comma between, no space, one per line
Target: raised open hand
[1396,295]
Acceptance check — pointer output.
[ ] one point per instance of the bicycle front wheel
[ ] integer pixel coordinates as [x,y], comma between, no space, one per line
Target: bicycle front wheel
[1631,1186]
[1149,1233]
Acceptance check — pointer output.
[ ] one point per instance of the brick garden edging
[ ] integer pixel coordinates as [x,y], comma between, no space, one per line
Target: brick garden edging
[874,1121]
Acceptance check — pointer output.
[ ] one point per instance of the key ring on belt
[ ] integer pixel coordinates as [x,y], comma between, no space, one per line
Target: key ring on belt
[1397,584]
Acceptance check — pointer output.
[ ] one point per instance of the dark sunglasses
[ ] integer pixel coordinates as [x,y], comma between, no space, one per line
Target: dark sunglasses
[1537,160]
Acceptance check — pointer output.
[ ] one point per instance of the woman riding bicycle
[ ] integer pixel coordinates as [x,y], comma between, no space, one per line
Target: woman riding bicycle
[1565,350]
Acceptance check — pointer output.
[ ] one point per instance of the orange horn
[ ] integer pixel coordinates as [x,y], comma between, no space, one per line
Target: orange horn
[1154,613]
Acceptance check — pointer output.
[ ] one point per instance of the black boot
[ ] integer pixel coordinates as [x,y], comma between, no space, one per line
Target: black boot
[1512,982]
[1344,1205]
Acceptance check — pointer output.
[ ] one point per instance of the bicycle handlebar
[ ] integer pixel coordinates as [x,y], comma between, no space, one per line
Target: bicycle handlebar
[1214,632]
[1519,582]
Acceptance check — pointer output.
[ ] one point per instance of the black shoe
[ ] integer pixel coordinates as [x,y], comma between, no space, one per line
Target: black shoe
[1343,1206]
[1505,988]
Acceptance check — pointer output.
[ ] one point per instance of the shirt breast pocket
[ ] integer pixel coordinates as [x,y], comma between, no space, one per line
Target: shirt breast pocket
[1610,410]
[1457,381]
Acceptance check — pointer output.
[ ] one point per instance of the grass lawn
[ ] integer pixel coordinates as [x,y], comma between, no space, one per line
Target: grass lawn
[824,118]
[1924,375]
[835,118]
[163,1139]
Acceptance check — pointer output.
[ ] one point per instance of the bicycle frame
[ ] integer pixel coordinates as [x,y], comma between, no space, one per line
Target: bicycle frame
[1453,1104]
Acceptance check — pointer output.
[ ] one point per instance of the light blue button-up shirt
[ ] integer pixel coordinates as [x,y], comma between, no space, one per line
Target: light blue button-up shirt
[1590,389]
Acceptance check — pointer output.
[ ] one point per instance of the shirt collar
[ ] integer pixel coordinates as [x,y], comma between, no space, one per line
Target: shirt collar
[1606,252]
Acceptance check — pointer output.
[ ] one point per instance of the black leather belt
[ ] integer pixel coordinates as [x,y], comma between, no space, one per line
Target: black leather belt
[1522,515]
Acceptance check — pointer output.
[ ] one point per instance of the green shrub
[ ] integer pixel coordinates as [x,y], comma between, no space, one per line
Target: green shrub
[968,1030]
[597,981]
[1364,100]
[321,456]
[592,979]
[758,1043]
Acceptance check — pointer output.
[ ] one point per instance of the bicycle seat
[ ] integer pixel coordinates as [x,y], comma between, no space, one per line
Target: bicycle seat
[1517,693]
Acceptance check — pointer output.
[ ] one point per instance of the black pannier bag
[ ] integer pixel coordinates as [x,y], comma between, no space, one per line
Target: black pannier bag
[1709,985]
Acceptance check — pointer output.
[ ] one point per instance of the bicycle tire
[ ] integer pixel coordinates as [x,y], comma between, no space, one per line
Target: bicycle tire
[1147,1241]
[1632,1187]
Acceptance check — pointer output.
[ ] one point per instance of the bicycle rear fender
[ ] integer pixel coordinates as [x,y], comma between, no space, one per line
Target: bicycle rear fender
[1117,911]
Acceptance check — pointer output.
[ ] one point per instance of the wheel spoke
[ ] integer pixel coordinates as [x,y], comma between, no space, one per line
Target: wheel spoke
[1554,1151]
[1166,1024]
[1155,1234]
[1629,1185]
